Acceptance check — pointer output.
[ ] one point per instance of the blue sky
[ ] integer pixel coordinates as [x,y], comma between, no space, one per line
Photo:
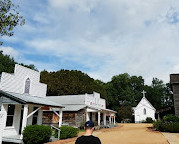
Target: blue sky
[99,37]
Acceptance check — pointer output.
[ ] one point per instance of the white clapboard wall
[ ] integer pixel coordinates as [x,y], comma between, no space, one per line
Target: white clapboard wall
[2,115]
[15,82]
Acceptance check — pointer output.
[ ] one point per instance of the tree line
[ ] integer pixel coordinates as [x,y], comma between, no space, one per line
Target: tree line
[121,93]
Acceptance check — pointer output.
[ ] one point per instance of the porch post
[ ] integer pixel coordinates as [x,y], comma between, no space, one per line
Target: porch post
[60,118]
[104,118]
[110,119]
[114,119]
[99,118]
[24,120]
[87,116]
[39,118]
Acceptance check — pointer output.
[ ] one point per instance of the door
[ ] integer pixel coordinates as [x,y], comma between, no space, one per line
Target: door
[20,126]
[137,119]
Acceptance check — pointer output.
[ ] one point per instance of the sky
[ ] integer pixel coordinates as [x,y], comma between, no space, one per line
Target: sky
[102,38]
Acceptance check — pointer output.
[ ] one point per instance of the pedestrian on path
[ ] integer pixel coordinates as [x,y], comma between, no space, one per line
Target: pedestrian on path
[88,138]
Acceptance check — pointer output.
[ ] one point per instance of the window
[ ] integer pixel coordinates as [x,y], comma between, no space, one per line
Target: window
[35,116]
[27,86]
[10,115]
[144,111]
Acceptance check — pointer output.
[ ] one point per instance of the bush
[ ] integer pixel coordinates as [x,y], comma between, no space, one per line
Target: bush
[149,120]
[36,134]
[170,127]
[67,132]
[157,125]
[170,123]
[171,118]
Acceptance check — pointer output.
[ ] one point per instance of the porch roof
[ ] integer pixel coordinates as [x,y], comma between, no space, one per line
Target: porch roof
[28,99]
[72,107]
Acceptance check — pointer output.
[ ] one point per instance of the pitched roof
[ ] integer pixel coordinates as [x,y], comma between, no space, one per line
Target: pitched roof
[68,99]
[27,99]
[144,98]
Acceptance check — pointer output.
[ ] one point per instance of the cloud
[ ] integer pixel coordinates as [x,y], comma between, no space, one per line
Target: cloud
[10,51]
[102,38]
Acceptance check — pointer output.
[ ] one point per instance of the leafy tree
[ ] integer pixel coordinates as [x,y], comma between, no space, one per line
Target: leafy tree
[124,90]
[70,82]
[159,94]
[125,113]
[9,18]
[6,63]
[167,99]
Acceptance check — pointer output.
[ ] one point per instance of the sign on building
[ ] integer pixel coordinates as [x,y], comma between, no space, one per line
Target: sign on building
[95,100]
[1,125]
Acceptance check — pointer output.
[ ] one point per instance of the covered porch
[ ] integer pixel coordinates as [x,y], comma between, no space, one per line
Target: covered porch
[21,110]
[102,117]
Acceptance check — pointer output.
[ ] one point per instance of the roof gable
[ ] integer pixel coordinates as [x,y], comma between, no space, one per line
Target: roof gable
[144,102]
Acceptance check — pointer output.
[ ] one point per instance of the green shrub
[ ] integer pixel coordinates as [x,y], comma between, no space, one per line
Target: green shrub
[170,127]
[36,134]
[157,125]
[171,118]
[67,132]
[149,120]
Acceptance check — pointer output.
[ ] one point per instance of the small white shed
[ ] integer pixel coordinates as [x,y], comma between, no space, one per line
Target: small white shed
[143,110]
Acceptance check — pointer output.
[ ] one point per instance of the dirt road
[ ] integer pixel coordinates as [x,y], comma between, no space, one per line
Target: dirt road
[132,134]
[129,134]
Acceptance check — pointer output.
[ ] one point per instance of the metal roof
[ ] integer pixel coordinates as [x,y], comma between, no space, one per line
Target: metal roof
[28,99]
[68,99]
[71,108]
[74,102]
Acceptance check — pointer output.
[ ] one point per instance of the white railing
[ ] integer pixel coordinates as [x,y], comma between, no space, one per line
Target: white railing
[56,129]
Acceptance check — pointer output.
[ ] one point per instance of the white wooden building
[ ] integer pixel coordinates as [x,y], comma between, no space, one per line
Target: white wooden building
[143,110]
[21,98]
[84,107]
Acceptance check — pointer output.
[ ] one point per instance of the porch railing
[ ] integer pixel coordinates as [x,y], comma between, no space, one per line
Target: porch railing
[57,130]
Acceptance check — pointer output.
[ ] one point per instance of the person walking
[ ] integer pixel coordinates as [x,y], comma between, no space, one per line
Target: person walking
[88,138]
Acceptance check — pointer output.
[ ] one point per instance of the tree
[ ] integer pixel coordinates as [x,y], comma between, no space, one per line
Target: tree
[155,93]
[70,82]
[9,18]
[124,113]
[124,90]
[7,64]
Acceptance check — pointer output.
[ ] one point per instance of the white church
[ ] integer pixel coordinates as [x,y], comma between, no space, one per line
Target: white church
[143,110]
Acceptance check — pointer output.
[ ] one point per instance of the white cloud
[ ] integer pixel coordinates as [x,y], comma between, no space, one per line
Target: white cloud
[9,51]
[106,37]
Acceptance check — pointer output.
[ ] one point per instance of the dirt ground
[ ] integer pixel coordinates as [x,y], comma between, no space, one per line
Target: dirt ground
[126,134]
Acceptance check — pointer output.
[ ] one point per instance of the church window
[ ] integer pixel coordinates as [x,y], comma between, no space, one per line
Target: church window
[27,86]
[144,111]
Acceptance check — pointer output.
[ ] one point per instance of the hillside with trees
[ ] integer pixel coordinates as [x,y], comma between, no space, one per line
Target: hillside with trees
[69,82]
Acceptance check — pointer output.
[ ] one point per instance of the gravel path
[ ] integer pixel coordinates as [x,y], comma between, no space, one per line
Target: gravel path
[128,134]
